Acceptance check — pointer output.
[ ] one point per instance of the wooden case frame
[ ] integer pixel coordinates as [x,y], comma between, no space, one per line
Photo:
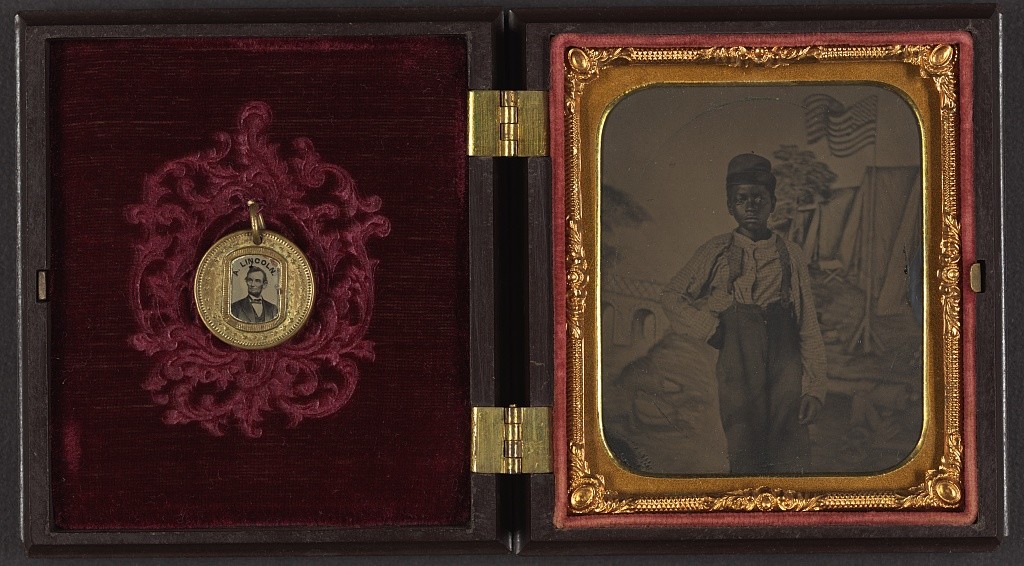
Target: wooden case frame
[527,46]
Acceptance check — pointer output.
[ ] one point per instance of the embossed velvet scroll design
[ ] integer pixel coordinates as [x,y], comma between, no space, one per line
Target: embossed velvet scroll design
[190,202]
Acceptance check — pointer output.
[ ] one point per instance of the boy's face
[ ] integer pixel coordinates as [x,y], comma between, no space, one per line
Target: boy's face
[751,205]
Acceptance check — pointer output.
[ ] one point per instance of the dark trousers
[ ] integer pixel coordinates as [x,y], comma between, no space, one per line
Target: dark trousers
[759,389]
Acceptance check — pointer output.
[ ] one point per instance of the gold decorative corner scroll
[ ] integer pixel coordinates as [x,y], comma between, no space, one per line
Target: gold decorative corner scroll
[940,488]
[587,493]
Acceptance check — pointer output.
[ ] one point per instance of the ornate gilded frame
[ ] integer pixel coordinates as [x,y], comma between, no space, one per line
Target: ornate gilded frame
[930,71]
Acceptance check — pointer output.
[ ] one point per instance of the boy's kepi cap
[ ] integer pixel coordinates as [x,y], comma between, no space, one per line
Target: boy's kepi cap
[752,169]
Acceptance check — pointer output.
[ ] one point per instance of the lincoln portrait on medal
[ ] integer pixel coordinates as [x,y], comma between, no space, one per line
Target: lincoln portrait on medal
[253,307]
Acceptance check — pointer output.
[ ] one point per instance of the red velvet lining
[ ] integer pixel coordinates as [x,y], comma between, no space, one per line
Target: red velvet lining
[391,112]
[556,109]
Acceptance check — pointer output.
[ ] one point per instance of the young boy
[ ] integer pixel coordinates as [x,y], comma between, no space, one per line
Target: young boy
[748,294]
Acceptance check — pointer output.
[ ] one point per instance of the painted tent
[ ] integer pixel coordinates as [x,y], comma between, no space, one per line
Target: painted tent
[870,233]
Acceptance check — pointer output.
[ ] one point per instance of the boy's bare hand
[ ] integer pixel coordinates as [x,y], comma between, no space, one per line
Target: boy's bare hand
[809,409]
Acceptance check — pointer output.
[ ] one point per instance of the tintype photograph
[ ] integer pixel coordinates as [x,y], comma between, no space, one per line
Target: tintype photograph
[256,289]
[761,280]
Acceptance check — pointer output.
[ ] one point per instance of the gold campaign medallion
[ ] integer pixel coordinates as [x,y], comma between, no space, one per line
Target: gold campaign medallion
[254,288]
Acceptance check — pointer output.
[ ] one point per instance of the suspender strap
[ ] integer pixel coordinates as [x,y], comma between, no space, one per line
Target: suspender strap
[734,256]
[785,294]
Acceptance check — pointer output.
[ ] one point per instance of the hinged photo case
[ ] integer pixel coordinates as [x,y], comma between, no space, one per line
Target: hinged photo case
[648,280]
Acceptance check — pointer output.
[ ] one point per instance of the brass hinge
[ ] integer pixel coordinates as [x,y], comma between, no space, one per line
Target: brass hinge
[508,123]
[511,440]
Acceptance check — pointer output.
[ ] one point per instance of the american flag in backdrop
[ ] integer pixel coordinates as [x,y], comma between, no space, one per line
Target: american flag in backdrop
[847,130]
